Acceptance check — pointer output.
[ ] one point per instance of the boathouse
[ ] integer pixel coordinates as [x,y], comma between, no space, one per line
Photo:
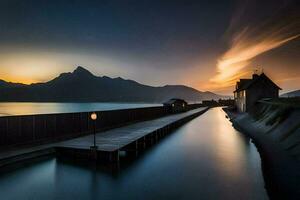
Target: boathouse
[176,105]
[249,91]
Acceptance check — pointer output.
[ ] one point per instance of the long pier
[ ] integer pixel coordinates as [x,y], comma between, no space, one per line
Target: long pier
[131,138]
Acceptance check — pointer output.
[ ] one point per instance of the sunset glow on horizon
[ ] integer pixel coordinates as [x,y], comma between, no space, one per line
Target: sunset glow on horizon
[150,49]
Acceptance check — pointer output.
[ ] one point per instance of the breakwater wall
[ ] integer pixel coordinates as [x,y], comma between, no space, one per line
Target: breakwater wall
[47,128]
[281,121]
[274,127]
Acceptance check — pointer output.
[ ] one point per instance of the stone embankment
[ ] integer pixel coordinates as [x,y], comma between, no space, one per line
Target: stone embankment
[275,130]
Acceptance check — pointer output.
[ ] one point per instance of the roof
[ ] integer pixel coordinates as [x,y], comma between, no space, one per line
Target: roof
[244,84]
[174,100]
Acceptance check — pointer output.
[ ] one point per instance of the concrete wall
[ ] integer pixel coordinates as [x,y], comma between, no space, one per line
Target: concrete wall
[46,128]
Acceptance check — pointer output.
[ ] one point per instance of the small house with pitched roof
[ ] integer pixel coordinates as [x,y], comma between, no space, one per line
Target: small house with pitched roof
[249,91]
[176,105]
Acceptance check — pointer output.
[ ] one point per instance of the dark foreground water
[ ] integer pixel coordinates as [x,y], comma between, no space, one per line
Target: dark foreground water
[18,108]
[204,159]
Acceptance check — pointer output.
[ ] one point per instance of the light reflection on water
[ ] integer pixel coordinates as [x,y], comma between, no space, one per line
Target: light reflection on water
[204,159]
[18,108]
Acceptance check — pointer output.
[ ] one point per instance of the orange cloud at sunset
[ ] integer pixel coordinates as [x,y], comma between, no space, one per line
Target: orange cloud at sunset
[233,63]
[252,44]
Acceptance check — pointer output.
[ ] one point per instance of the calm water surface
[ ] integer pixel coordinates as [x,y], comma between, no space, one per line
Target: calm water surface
[204,159]
[47,108]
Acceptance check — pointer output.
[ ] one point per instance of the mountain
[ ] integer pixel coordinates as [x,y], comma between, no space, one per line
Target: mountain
[295,93]
[82,86]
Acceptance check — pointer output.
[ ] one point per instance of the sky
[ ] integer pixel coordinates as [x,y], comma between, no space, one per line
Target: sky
[207,45]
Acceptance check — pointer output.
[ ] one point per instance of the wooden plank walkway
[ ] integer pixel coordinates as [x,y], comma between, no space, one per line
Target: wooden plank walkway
[118,138]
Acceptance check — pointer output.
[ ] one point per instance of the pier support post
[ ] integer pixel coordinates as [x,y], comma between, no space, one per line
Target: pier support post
[132,149]
[141,143]
[114,156]
[149,139]
[93,154]
[156,135]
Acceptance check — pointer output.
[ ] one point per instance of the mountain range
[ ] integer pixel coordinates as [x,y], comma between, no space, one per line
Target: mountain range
[295,93]
[82,86]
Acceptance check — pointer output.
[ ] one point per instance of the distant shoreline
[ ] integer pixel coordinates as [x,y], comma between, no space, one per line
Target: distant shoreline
[111,102]
[36,108]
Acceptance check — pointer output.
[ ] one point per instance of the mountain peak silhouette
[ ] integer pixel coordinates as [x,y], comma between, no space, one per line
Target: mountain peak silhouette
[82,86]
[82,71]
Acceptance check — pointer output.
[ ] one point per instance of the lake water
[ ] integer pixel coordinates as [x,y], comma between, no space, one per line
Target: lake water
[47,108]
[204,159]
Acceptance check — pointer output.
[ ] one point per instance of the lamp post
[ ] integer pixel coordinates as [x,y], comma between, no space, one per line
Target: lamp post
[94,118]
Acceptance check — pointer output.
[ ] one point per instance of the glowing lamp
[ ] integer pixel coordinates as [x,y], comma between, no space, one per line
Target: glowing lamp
[93,116]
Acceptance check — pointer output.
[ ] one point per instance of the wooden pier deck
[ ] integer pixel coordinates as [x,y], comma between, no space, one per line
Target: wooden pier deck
[130,138]
[127,138]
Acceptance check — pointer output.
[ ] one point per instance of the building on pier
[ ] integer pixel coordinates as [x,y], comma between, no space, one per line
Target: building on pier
[176,105]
